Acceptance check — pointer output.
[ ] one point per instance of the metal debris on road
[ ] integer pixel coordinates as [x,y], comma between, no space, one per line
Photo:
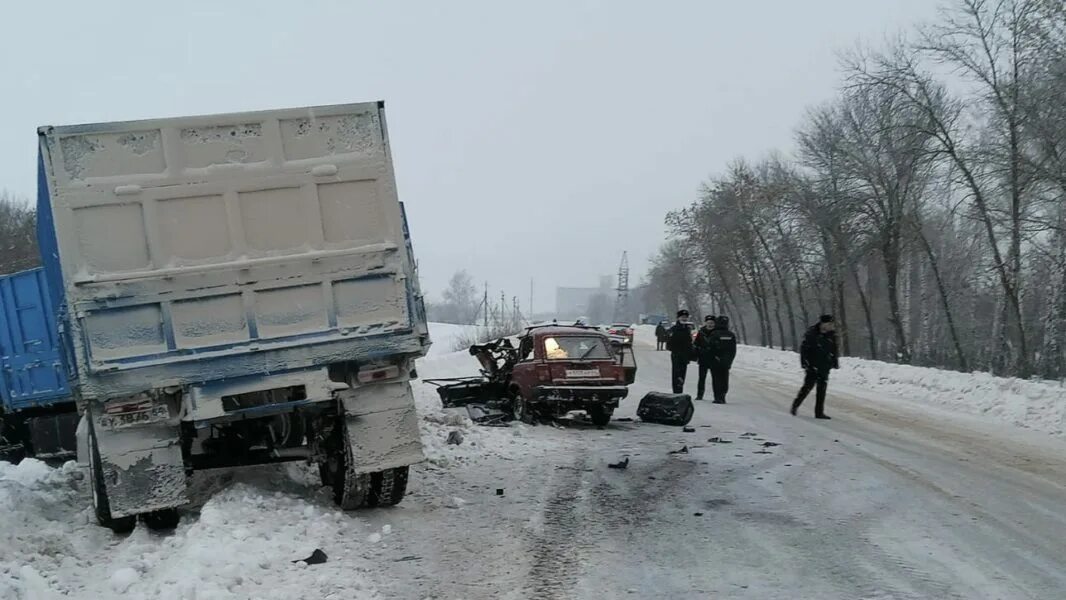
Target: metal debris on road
[317,557]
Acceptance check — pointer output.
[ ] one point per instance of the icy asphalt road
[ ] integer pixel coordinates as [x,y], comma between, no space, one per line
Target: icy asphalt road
[881,502]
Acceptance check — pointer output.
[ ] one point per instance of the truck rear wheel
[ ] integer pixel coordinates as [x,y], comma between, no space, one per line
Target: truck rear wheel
[350,489]
[162,520]
[388,487]
[600,415]
[101,506]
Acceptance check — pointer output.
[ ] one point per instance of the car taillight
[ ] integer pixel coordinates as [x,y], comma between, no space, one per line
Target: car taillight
[544,373]
[374,374]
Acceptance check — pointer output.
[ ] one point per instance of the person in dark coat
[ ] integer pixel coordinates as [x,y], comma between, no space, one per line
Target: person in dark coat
[679,343]
[818,356]
[701,347]
[660,336]
[717,347]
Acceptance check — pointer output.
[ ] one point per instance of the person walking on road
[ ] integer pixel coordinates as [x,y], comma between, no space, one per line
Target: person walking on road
[679,343]
[716,347]
[818,356]
[660,336]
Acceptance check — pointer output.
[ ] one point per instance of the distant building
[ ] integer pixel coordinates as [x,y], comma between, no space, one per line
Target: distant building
[574,302]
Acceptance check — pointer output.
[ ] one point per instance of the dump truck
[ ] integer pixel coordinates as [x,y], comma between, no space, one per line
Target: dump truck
[233,290]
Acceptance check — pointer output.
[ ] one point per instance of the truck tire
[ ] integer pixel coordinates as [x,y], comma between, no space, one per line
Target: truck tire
[350,489]
[600,415]
[101,506]
[387,488]
[162,520]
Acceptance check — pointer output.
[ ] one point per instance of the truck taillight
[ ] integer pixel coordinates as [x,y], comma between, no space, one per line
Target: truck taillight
[544,373]
[376,373]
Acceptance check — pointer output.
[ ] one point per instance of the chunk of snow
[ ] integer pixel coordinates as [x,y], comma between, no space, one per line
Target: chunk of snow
[122,579]
[373,538]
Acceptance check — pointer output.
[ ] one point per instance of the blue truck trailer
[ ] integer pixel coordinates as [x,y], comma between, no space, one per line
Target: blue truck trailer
[37,412]
[220,291]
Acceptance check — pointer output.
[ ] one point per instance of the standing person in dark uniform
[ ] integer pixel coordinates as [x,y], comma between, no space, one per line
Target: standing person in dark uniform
[818,356]
[703,353]
[679,343]
[721,349]
[660,336]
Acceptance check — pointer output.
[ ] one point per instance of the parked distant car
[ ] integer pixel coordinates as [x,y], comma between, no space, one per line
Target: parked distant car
[622,330]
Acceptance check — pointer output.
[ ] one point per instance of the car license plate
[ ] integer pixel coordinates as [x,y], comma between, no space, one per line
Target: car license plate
[582,373]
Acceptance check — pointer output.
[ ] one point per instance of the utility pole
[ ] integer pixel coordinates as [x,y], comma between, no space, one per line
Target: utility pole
[621,303]
[485,303]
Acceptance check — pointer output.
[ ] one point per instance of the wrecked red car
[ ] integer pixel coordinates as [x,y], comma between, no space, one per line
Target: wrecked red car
[554,370]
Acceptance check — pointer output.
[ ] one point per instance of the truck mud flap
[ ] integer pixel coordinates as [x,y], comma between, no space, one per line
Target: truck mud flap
[382,426]
[142,466]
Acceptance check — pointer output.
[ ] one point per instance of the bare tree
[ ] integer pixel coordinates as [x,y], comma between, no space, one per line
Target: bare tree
[18,234]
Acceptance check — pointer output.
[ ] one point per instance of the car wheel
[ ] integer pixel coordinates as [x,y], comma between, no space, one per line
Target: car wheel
[520,409]
[600,415]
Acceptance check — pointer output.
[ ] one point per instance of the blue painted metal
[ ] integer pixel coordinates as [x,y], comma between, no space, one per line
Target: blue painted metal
[32,371]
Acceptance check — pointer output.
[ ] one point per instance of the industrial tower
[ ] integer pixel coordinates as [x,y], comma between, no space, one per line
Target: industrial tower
[621,303]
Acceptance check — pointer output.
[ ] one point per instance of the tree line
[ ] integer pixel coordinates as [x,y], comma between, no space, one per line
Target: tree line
[924,206]
[18,234]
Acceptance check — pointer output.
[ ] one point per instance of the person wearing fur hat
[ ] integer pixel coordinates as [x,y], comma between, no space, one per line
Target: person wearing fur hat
[818,356]
[716,347]
[679,343]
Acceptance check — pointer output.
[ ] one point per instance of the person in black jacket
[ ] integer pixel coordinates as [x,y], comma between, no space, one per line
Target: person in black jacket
[818,356]
[660,336]
[716,346]
[679,343]
[702,349]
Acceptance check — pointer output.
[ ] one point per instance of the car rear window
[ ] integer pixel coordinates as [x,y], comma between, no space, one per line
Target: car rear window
[575,348]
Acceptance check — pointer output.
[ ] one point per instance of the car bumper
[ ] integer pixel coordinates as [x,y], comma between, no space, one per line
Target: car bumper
[581,392]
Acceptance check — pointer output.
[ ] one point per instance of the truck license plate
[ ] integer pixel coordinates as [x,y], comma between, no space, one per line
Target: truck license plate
[582,373]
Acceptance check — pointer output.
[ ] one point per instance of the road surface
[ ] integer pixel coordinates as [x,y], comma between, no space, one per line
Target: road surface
[882,502]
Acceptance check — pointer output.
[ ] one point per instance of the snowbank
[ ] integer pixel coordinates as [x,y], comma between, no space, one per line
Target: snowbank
[1038,405]
[250,529]
[445,336]
[242,545]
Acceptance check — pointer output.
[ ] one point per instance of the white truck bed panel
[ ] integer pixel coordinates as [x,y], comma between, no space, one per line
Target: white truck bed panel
[187,238]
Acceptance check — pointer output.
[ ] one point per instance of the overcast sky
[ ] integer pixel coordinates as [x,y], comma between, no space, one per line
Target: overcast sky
[531,139]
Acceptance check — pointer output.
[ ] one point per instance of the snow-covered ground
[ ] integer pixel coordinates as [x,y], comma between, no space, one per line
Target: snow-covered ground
[894,499]
[242,542]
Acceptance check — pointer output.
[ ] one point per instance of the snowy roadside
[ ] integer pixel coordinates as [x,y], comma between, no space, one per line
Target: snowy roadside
[252,526]
[1036,405]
